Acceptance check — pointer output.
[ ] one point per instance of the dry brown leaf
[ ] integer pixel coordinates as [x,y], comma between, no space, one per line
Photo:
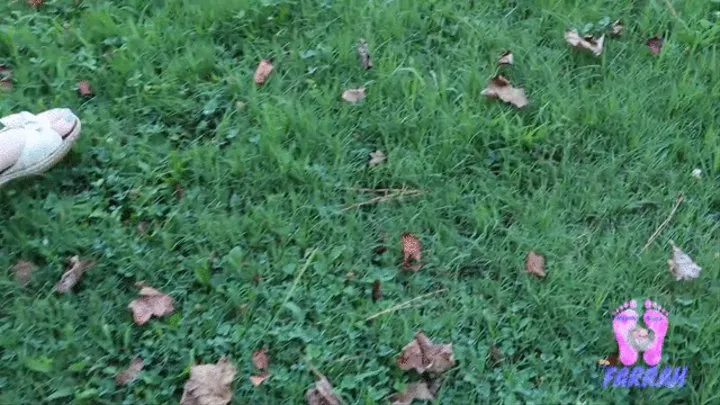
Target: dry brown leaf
[364,54]
[73,274]
[588,42]
[376,291]
[506,58]
[412,252]
[84,89]
[496,355]
[425,356]
[535,264]
[617,28]
[354,95]
[376,158]
[151,303]
[655,44]
[322,393]
[36,3]
[130,373]
[610,361]
[23,270]
[260,359]
[420,391]
[263,71]
[209,384]
[500,87]
[682,266]
[258,379]
[6,82]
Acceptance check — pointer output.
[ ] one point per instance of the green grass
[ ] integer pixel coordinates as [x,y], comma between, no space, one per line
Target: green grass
[584,174]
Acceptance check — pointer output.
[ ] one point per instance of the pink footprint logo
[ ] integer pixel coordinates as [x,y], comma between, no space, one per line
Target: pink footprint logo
[633,338]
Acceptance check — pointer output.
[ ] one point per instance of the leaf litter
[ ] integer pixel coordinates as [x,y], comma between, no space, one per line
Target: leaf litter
[322,393]
[364,55]
[535,264]
[131,373]
[421,391]
[424,356]
[150,303]
[260,360]
[506,58]
[681,265]
[209,384]
[500,87]
[655,44]
[263,71]
[23,271]
[376,158]
[588,42]
[73,274]
[354,96]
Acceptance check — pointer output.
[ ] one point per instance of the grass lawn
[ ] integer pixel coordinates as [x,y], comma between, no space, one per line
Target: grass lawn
[236,184]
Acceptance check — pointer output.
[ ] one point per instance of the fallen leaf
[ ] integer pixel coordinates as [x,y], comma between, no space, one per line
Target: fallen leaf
[500,87]
[131,373]
[535,264]
[655,45]
[412,252]
[23,269]
[496,355]
[420,391]
[376,158]
[617,28]
[151,303]
[697,173]
[36,3]
[260,359]
[258,379]
[376,291]
[506,58]
[6,82]
[142,227]
[263,71]
[354,95]
[588,42]
[84,89]
[424,356]
[610,361]
[209,384]
[322,393]
[73,274]
[682,266]
[364,54]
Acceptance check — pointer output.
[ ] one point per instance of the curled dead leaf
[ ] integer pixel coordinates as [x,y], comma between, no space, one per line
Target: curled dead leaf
[130,373]
[263,71]
[322,393]
[617,28]
[535,264]
[260,359]
[420,391]
[364,55]
[6,82]
[23,270]
[84,89]
[588,43]
[500,87]
[412,252]
[354,96]
[655,44]
[612,360]
[73,274]
[151,303]
[258,379]
[376,158]
[682,266]
[506,58]
[424,356]
[209,384]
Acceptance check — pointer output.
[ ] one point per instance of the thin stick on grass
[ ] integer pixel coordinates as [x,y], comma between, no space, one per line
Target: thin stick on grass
[383,198]
[292,288]
[385,190]
[404,305]
[659,229]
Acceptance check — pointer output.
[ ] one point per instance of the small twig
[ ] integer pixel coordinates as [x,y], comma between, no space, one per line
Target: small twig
[404,305]
[385,190]
[292,287]
[384,198]
[659,229]
[675,13]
